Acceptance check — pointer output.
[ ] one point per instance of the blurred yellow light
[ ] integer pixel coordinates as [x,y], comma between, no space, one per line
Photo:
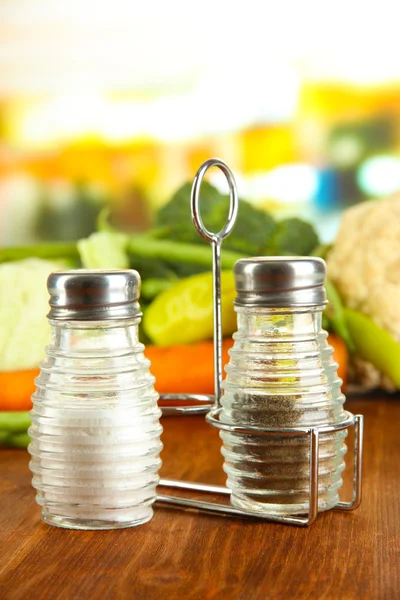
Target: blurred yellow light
[266,147]
[333,101]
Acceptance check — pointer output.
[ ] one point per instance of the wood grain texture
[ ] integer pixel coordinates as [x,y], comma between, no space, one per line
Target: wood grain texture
[201,557]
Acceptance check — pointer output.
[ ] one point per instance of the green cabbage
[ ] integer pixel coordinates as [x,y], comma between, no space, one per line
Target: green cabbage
[24,330]
[104,250]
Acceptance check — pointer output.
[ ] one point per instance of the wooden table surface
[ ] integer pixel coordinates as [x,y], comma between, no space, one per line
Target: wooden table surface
[188,555]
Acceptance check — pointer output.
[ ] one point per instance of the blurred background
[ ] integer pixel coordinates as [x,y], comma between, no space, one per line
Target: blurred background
[118,104]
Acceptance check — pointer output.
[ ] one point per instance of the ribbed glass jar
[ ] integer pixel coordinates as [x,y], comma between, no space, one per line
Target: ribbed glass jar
[281,374]
[95,434]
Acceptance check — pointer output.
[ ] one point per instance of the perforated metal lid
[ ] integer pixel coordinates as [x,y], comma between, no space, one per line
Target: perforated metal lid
[280,281]
[94,295]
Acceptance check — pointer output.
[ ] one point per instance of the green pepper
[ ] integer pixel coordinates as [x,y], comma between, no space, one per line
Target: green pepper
[183,314]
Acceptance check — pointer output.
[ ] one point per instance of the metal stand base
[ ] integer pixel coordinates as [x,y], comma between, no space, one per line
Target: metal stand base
[314,434]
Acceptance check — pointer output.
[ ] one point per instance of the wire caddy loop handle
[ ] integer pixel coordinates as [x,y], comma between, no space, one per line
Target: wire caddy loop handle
[206,402]
[211,404]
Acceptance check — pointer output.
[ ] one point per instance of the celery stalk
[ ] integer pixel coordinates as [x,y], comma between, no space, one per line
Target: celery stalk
[53,250]
[374,344]
[147,247]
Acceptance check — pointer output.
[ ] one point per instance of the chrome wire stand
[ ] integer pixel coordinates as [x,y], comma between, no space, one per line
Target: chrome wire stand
[210,404]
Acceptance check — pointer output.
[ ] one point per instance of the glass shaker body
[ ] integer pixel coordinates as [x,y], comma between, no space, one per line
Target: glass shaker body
[95,433]
[281,374]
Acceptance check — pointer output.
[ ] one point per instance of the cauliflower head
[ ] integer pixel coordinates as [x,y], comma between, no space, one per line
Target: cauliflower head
[364,264]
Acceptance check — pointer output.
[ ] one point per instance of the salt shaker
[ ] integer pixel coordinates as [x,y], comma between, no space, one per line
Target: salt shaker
[281,374]
[95,433]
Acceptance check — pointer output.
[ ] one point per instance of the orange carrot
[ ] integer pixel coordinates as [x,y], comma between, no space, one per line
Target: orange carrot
[187,368]
[16,389]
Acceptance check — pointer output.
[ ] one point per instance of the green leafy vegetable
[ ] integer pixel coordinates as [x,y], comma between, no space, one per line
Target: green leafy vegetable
[23,308]
[294,237]
[253,231]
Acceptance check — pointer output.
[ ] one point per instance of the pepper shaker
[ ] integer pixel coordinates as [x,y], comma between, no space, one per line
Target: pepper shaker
[281,375]
[95,433]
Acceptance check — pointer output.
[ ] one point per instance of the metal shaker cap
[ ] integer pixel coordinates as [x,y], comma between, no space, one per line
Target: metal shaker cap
[94,295]
[280,281]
